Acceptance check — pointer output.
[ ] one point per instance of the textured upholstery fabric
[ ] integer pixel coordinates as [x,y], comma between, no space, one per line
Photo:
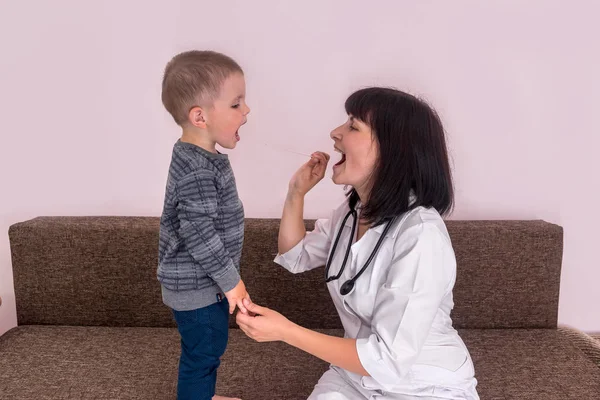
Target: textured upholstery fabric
[53,362]
[92,325]
[101,271]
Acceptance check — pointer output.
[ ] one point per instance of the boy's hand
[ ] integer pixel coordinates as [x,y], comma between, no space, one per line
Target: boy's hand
[236,297]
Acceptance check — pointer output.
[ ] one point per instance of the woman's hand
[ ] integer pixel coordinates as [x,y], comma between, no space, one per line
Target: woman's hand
[263,324]
[292,229]
[309,174]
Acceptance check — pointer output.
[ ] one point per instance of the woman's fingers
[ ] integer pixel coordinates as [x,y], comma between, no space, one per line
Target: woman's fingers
[321,156]
[310,173]
[314,161]
[245,327]
[242,319]
[254,308]
[321,163]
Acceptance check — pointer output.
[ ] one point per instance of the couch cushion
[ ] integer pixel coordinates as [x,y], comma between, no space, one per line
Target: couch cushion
[55,362]
[531,364]
[102,271]
[46,362]
[87,271]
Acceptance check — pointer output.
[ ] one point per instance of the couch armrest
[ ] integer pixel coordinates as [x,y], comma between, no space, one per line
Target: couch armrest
[587,344]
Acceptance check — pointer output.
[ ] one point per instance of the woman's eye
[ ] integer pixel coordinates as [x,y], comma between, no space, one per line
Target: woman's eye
[235,106]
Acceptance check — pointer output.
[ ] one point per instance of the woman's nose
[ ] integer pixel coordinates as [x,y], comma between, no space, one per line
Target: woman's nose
[335,134]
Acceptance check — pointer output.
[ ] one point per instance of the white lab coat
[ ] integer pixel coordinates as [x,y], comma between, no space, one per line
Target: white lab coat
[399,309]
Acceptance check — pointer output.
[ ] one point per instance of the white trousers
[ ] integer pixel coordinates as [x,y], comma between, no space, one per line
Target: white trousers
[332,386]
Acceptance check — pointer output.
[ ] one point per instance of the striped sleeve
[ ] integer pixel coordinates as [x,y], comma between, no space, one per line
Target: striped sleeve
[197,210]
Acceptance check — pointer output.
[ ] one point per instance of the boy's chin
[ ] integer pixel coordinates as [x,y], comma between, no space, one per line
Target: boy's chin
[228,146]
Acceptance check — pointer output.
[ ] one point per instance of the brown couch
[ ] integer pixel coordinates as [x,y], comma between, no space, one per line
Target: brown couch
[92,325]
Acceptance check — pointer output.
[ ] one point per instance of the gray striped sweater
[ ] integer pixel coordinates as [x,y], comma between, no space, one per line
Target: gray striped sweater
[201,229]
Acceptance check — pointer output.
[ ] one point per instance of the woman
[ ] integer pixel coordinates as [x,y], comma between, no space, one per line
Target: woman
[388,258]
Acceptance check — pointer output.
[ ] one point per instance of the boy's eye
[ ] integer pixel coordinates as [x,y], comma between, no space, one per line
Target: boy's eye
[352,128]
[235,106]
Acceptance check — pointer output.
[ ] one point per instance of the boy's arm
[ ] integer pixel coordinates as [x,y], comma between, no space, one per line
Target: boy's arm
[197,211]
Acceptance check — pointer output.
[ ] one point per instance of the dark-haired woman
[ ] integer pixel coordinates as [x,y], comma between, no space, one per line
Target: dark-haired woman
[389,263]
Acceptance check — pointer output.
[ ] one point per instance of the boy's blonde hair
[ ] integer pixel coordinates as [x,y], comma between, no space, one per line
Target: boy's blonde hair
[194,78]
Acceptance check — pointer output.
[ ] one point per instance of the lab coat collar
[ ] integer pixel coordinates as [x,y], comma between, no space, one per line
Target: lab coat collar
[393,232]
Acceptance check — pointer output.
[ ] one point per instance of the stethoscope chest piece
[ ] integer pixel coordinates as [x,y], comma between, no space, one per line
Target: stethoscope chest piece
[349,284]
[347,287]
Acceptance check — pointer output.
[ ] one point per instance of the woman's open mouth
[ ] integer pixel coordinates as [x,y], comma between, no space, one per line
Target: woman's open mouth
[343,159]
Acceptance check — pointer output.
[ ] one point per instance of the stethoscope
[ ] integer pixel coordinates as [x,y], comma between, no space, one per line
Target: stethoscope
[349,284]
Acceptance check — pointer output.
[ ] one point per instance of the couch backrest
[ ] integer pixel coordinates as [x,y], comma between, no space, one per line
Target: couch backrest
[101,271]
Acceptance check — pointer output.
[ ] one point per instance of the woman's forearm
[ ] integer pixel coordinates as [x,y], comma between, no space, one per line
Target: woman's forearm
[291,229]
[340,352]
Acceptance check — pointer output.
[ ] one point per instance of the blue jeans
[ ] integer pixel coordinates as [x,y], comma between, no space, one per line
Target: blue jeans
[204,333]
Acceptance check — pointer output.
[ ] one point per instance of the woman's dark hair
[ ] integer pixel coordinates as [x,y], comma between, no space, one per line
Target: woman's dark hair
[413,158]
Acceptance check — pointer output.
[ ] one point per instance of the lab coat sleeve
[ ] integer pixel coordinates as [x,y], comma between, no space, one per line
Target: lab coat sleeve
[311,252]
[422,273]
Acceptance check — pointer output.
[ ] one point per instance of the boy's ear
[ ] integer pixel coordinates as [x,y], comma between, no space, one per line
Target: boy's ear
[197,117]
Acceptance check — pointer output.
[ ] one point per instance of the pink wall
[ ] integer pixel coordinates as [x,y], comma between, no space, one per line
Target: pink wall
[83,131]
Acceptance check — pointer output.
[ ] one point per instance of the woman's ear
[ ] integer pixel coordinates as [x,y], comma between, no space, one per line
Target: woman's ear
[197,117]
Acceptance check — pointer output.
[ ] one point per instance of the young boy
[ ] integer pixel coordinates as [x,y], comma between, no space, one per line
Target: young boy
[202,224]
